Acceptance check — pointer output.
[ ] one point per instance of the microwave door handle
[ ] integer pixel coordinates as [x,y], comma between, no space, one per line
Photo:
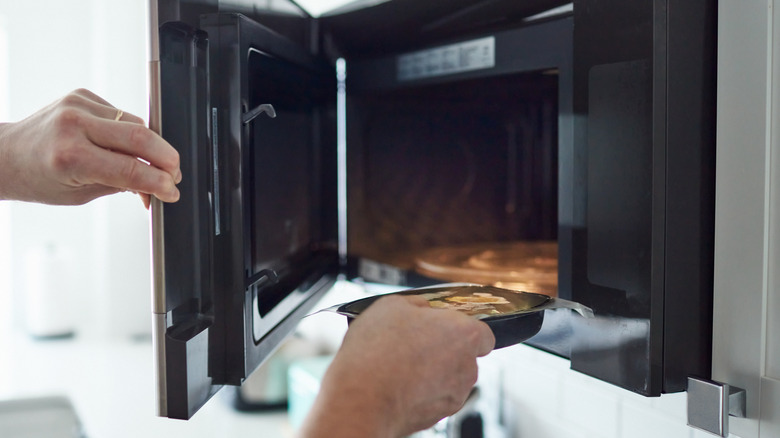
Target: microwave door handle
[266,108]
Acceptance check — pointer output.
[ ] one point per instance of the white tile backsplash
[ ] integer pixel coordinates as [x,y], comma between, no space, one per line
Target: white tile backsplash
[544,398]
[589,406]
[638,420]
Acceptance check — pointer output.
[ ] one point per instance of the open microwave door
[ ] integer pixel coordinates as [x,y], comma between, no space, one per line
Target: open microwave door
[252,243]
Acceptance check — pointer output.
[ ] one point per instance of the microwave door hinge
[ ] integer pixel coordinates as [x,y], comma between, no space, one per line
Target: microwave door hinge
[260,109]
[711,403]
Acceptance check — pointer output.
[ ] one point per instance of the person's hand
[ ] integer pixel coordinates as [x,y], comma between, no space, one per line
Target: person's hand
[402,367]
[75,150]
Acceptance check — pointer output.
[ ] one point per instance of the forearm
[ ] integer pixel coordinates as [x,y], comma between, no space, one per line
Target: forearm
[349,406]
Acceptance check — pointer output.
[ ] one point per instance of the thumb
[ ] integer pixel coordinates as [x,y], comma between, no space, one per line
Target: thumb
[417,301]
[486,340]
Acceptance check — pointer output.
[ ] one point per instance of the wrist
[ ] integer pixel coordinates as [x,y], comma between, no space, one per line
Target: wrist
[351,405]
[6,164]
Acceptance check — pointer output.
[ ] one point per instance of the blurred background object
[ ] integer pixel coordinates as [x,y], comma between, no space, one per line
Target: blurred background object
[107,239]
[45,417]
[48,292]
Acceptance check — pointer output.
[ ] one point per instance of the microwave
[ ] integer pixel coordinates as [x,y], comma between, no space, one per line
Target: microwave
[360,142]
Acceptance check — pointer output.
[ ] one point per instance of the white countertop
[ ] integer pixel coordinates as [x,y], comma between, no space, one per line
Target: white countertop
[111,385]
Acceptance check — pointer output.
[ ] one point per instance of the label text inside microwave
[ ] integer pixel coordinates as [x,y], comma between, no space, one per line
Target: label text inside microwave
[454,58]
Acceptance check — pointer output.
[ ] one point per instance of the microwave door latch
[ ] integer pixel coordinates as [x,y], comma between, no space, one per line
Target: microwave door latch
[265,108]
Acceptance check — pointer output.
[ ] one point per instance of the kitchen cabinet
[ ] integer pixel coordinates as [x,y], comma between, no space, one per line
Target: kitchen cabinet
[746,344]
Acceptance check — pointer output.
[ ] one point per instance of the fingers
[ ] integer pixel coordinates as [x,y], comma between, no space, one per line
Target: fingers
[102,167]
[85,194]
[484,339]
[124,117]
[135,140]
[146,199]
[99,107]
[89,96]
[93,104]
[127,134]
[417,301]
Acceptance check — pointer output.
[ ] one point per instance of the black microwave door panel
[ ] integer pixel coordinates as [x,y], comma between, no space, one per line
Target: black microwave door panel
[644,81]
[252,244]
[690,171]
[189,298]
[278,203]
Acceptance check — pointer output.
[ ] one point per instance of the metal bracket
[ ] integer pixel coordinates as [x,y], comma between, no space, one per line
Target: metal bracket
[711,403]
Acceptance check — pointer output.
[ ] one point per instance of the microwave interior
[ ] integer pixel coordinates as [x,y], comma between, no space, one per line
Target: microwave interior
[464,148]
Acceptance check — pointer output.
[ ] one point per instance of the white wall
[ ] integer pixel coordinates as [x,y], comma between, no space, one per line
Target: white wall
[54,47]
[546,399]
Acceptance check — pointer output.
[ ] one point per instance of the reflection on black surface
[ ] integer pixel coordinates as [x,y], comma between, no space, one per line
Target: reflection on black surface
[615,350]
[281,184]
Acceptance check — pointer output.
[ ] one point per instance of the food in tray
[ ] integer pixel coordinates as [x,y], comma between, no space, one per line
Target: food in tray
[479,298]
[512,315]
[474,300]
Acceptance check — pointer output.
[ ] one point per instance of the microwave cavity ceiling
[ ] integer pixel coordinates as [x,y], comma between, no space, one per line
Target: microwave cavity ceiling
[361,30]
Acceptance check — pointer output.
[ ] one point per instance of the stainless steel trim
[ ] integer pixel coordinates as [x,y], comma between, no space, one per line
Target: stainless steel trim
[155,124]
[158,258]
[737,402]
[154,37]
[159,317]
[158,241]
[159,326]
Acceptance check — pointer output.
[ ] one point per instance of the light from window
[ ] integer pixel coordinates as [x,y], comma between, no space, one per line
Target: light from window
[3,71]
[5,225]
